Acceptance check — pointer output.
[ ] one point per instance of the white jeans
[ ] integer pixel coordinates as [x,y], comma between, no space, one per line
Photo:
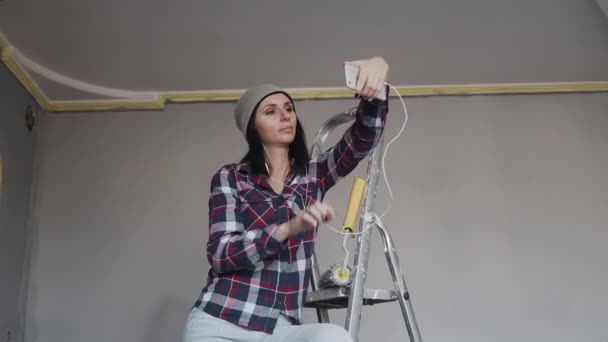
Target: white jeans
[202,327]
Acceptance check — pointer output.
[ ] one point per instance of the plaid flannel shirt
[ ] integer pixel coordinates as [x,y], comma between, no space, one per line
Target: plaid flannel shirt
[254,277]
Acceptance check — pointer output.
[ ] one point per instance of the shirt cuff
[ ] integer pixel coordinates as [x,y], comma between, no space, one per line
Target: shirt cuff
[374,107]
[379,102]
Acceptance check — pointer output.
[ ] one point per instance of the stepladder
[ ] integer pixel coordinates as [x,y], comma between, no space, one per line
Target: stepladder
[355,295]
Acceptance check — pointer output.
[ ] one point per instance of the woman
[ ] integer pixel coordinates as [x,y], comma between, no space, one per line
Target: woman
[264,213]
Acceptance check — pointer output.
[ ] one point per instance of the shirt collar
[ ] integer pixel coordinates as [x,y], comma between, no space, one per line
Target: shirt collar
[245,169]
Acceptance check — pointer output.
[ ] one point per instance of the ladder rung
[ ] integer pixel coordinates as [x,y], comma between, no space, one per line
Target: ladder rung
[337,297]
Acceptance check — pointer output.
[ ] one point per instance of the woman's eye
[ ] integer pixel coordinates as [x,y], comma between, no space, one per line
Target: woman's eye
[270,112]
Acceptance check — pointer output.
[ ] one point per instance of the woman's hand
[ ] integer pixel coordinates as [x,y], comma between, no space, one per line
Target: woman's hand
[314,215]
[373,73]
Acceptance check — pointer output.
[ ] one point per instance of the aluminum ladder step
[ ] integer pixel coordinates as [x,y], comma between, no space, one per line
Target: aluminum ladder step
[337,297]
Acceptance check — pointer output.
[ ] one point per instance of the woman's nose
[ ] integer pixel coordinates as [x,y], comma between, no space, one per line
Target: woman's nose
[285,115]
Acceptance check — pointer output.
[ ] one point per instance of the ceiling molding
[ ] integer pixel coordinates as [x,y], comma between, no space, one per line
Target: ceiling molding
[122,100]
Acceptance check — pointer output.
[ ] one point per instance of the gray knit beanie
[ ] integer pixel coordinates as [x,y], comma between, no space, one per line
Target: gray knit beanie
[250,100]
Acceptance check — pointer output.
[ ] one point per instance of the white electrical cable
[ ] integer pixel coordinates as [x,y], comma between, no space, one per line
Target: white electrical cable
[390,192]
[51,75]
[388,186]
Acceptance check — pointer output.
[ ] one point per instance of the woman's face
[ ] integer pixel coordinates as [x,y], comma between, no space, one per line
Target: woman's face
[275,120]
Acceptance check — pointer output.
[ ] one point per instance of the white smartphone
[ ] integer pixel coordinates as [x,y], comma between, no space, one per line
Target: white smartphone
[351,73]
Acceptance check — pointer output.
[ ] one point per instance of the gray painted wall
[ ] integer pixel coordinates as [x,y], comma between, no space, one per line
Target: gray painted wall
[499,217]
[500,208]
[16,151]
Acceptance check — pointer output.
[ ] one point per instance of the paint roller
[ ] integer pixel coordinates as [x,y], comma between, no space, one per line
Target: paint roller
[339,274]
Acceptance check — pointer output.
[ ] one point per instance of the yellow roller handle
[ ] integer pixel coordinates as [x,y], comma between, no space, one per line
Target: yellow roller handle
[354,205]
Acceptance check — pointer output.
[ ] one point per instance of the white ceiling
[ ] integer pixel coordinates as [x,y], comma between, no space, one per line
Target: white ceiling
[188,45]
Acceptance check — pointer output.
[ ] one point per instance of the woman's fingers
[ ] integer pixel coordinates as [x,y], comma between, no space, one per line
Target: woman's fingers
[316,212]
[309,221]
[373,74]
[322,212]
[314,215]
[361,81]
[330,214]
[372,86]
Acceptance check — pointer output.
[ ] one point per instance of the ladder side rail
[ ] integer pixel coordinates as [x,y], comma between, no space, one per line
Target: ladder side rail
[356,295]
[399,282]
